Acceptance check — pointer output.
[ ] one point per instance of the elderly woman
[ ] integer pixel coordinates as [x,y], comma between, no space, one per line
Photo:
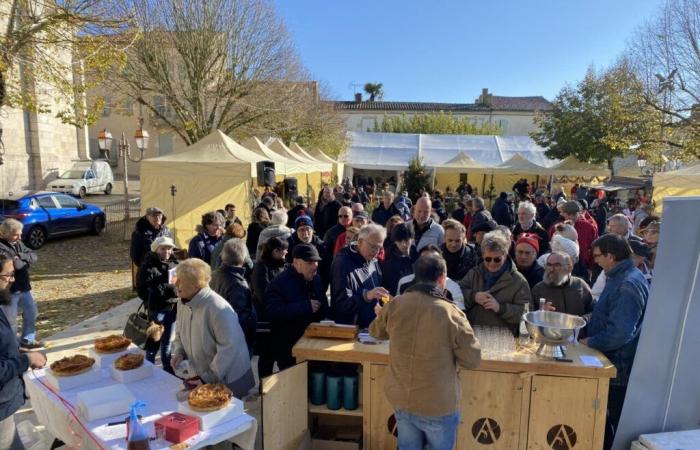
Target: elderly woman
[261,220]
[229,282]
[158,294]
[210,233]
[495,293]
[208,332]
[277,228]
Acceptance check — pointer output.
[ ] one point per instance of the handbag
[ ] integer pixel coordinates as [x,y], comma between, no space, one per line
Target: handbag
[136,327]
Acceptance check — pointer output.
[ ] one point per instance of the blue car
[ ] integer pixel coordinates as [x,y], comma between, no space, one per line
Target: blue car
[47,215]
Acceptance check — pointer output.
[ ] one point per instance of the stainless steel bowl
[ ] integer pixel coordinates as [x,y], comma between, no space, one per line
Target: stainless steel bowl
[553,328]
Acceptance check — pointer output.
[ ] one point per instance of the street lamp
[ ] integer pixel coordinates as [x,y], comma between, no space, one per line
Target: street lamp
[104,140]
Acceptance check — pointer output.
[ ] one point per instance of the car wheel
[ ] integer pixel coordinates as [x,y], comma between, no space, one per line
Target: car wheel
[98,225]
[82,192]
[36,238]
[108,189]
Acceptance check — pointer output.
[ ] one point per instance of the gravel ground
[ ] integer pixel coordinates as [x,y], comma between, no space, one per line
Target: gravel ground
[78,277]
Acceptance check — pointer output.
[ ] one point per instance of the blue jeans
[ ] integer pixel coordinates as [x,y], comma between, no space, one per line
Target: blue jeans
[167,319]
[25,302]
[431,432]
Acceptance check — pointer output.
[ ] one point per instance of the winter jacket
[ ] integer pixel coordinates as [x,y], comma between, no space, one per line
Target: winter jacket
[280,231]
[617,318]
[542,211]
[551,218]
[330,216]
[533,274]
[229,282]
[289,308]
[394,267]
[434,234]
[201,246]
[587,233]
[143,236]
[209,335]
[152,283]
[573,297]
[430,339]
[480,217]
[315,241]
[13,364]
[503,212]
[536,229]
[461,262]
[351,277]
[25,258]
[600,214]
[251,241]
[510,290]
[381,215]
[264,272]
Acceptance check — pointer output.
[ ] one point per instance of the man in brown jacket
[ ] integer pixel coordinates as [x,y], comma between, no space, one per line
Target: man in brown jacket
[430,337]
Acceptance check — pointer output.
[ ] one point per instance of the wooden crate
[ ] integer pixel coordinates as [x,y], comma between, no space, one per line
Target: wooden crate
[317,330]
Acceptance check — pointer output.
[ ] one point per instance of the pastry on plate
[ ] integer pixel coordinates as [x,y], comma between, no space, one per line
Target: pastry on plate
[209,397]
[112,344]
[71,365]
[129,361]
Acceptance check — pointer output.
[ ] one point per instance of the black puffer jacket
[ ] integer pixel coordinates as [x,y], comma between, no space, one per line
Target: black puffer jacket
[394,267]
[461,262]
[25,258]
[142,237]
[229,282]
[254,230]
[152,283]
[263,272]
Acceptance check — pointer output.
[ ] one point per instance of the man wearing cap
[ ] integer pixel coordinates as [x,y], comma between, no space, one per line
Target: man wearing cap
[386,209]
[562,291]
[146,230]
[526,249]
[427,230]
[295,298]
[158,295]
[299,209]
[587,232]
[304,234]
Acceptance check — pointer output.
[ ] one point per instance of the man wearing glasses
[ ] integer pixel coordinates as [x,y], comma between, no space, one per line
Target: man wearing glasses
[356,280]
[617,318]
[562,291]
[13,364]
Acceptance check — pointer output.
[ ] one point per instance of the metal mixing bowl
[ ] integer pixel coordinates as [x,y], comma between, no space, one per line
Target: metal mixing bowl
[551,327]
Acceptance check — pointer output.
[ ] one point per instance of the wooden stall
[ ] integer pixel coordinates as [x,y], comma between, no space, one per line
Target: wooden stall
[514,401]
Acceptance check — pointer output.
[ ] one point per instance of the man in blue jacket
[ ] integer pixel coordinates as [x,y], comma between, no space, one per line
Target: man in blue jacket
[13,364]
[356,279]
[617,318]
[295,298]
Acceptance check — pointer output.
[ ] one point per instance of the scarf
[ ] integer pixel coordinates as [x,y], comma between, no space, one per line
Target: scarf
[490,278]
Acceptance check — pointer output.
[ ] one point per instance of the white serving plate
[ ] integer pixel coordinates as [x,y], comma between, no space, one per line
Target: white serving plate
[104,402]
[129,376]
[208,420]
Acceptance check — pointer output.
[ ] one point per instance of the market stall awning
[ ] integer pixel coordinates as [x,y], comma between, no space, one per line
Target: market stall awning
[621,184]
[519,165]
[461,163]
[573,167]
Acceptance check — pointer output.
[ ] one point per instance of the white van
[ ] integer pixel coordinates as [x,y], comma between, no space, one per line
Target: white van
[85,177]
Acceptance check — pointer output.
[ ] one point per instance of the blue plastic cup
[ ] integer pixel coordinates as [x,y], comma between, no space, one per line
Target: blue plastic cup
[350,392]
[318,388]
[333,391]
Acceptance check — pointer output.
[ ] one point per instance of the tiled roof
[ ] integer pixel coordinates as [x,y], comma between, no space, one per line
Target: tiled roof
[498,103]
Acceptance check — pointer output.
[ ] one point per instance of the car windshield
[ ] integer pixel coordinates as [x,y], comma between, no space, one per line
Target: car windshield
[72,174]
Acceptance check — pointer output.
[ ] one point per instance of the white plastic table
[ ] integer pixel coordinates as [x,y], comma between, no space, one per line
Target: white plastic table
[58,411]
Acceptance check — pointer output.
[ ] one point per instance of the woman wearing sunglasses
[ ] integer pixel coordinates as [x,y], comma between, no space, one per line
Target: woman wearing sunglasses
[494,291]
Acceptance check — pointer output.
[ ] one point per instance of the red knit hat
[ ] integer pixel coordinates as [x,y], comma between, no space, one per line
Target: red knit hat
[530,239]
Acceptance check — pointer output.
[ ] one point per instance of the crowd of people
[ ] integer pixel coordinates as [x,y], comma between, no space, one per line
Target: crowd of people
[243,289]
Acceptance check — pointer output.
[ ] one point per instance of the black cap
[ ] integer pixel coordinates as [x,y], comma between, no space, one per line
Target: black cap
[361,214]
[639,248]
[306,252]
[485,226]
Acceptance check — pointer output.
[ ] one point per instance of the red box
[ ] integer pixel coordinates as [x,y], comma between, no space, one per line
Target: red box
[178,427]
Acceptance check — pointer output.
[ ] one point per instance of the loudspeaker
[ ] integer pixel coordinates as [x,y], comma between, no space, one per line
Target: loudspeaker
[266,173]
[291,188]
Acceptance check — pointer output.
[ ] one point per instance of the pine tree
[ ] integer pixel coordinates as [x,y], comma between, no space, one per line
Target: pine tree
[416,178]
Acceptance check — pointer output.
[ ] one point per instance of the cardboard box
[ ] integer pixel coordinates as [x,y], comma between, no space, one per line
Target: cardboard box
[107,359]
[208,420]
[75,381]
[104,402]
[129,376]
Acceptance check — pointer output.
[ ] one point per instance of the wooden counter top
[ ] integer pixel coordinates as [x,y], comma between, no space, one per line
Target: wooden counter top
[353,351]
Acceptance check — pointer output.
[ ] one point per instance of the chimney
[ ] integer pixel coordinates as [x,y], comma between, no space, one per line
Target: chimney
[358,97]
[484,98]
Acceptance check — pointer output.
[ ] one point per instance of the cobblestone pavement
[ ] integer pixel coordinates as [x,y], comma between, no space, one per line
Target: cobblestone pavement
[79,277]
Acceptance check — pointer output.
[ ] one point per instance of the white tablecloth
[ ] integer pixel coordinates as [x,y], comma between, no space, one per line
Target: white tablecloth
[62,419]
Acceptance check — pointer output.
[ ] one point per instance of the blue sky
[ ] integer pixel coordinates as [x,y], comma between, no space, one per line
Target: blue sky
[446,51]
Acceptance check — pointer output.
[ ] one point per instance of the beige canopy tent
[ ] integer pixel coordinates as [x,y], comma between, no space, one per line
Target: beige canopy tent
[283,165]
[448,174]
[338,167]
[573,167]
[207,175]
[683,183]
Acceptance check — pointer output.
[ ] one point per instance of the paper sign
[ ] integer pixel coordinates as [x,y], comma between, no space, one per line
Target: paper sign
[590,361]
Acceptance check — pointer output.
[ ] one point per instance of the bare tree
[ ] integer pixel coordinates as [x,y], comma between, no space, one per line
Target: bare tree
[665,54]
[216,64]
[45,48]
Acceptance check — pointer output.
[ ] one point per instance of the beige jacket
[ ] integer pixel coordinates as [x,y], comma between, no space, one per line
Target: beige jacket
[429,338]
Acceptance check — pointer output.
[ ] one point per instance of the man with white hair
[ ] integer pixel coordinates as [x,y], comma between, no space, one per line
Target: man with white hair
[562,291]
[620,225]
[528,224]
[22,258]
[427,230]
[356,279]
